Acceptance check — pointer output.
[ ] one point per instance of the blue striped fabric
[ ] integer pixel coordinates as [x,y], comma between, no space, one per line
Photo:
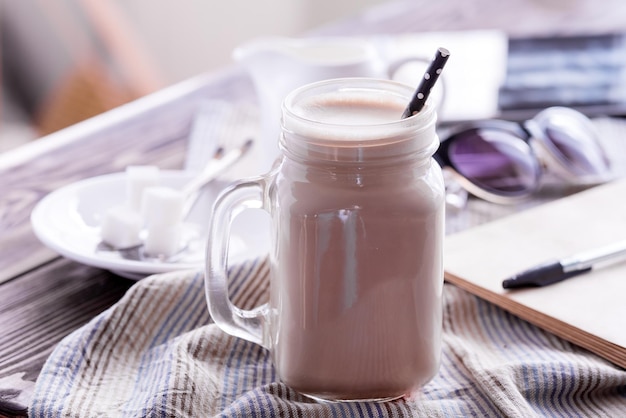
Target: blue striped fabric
[157,354]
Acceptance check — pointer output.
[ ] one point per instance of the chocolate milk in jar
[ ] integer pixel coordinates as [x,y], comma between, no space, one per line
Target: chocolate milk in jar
[357,208]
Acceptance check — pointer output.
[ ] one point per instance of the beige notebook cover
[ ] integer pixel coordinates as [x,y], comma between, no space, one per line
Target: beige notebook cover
[588,310]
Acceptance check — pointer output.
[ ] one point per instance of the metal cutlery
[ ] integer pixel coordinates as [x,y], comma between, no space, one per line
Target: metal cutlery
[220,162]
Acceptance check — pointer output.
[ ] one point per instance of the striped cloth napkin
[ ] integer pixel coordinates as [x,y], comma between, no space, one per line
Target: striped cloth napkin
[157,354]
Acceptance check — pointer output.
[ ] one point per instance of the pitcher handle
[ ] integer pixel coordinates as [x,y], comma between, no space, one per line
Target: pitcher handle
[246,324]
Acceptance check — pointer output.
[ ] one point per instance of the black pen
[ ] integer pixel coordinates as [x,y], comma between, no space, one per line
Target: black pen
[556,271]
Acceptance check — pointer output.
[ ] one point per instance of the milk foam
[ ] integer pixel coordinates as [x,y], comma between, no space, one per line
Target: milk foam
[360,110]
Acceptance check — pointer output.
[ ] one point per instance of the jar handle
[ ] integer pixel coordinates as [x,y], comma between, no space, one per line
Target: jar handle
[246,324]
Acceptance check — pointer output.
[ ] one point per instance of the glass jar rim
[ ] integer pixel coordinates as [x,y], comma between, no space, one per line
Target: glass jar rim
[303,134]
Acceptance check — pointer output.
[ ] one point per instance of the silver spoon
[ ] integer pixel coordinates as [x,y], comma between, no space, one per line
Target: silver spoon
[192,190]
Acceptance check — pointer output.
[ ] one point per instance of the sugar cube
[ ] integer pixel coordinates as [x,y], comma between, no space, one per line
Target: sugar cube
[121,226]
[162,206]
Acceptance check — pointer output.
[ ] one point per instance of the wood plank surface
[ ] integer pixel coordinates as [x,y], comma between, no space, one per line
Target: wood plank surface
[37,311]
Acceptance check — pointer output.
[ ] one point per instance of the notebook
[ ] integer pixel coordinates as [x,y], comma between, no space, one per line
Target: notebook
[588,310]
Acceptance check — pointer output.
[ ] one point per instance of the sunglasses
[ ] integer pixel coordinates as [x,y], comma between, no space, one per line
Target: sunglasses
[503,162]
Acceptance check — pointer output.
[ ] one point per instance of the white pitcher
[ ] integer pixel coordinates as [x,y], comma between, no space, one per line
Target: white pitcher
[279,65]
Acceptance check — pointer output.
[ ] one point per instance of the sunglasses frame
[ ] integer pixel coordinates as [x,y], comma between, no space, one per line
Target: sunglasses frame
[542,149]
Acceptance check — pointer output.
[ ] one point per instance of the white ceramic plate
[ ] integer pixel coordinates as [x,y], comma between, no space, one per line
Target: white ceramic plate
[68,221]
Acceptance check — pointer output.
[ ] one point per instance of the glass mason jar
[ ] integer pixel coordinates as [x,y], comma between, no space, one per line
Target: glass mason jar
[357,225]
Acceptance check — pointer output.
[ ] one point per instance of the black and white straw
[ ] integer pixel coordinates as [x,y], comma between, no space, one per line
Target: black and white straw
[427,83]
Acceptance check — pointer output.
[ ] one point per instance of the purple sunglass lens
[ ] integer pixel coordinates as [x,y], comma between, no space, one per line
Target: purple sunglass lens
[578,148]
[572,140]
[495,161]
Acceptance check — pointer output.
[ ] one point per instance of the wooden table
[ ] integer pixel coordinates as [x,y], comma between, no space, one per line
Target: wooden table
[44,296]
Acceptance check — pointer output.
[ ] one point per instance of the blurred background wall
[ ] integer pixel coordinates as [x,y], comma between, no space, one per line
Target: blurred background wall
[66,60]
[209,30]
